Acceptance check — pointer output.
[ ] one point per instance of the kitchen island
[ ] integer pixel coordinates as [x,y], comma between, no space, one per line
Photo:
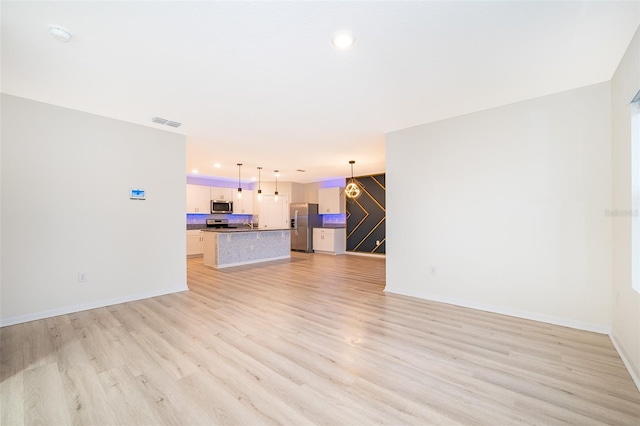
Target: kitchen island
[227,247]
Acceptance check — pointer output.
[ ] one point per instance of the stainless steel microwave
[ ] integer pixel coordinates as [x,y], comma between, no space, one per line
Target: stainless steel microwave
[220,206]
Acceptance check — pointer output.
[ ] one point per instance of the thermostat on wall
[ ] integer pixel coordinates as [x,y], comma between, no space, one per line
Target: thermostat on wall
[137,194]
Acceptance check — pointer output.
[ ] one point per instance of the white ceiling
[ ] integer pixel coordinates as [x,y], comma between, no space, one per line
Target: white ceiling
[260,83]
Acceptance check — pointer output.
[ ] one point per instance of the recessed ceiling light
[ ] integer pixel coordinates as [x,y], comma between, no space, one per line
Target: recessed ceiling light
[216,165]
[194,171]
[60,33]
[343,40]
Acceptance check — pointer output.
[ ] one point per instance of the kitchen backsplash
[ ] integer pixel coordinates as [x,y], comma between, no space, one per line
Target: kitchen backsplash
[195,221]
[334,220]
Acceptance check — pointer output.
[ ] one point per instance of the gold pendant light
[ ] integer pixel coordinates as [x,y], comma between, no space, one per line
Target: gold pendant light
[353,190]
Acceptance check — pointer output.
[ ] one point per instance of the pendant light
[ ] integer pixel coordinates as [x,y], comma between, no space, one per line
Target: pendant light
[259,189]
[276,194]
[239,185]
[353,191]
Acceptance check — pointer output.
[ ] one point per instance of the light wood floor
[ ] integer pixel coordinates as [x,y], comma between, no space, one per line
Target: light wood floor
[313,340]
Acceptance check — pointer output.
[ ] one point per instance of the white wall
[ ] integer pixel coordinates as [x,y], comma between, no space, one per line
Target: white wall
[311,192]
[626,301]
[312,189]
[66,177]
[298,194]
[509,208]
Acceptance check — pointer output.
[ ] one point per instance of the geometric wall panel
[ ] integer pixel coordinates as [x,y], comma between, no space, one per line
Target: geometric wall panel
[366,217]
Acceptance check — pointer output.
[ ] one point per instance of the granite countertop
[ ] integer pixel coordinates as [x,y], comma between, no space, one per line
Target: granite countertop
[195,226]
[203,227]
[242,229]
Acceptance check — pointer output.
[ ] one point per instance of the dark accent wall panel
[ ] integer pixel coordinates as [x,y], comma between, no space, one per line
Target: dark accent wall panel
[366,217]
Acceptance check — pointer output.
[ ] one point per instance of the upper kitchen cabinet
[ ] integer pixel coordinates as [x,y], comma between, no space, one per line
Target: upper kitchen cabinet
[331,201]
[245,204]
[198,199]
[222,194]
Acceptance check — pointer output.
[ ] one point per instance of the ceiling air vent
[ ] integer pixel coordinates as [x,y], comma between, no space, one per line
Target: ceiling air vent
[166,122]
[159,120]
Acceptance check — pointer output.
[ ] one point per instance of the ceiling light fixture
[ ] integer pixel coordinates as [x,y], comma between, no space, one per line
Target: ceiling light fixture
[259,182]
[60,34]
[277,172]
[353,191]
[343,40]
[194,171]
[239,185]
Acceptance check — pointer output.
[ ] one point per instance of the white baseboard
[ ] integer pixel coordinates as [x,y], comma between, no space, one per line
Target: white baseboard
[565,322]
[86,306]
[356,253]
[634,370]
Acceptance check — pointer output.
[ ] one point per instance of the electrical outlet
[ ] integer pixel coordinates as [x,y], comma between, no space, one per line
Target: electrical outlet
[82,277]
[433,270]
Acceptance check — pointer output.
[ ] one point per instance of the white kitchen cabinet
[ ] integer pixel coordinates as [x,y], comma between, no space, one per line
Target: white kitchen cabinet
[330,240]
[331,201]
[223,194]
[245,204]
[195,242]
[198,199]
[322,242]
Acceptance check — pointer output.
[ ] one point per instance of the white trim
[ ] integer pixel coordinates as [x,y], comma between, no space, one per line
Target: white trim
[331,253]
[633,369]
[250,262]
[4,322]
[565,322]
[357,253]
[634,212]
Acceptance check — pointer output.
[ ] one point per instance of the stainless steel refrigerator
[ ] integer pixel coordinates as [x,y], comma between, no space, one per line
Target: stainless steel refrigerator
[304,217]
